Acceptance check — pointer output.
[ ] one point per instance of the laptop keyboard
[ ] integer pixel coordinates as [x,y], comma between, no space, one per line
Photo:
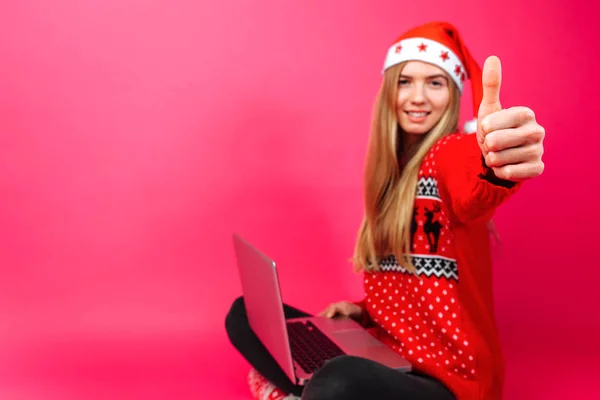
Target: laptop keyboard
[310,347]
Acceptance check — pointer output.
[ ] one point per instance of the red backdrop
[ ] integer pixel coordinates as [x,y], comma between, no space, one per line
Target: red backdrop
[135,136]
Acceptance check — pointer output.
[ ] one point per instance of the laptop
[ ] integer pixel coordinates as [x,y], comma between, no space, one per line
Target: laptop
[301,345]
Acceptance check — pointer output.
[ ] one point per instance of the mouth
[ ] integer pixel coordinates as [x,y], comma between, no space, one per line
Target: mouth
[417,114]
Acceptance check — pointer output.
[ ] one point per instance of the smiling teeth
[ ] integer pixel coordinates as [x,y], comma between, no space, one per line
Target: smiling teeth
[414,114]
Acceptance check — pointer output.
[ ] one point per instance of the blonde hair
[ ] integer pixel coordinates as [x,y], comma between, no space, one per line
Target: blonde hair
[391,187]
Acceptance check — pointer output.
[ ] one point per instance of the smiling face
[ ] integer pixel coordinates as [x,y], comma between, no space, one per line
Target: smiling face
[423,97]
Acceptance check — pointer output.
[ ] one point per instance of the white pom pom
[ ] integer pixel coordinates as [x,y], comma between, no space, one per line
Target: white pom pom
[470,126]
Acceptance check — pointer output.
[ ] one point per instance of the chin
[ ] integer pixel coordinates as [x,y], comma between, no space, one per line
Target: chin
[416,131]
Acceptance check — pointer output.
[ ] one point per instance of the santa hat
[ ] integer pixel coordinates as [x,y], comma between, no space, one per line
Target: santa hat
[440,44]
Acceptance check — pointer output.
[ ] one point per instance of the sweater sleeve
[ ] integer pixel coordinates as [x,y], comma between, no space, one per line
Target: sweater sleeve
[467,185]
[365,320]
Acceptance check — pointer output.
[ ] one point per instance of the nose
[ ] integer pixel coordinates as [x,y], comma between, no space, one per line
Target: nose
[418,93]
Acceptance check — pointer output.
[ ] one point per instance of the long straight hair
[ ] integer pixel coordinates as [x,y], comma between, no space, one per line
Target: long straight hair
[390,180]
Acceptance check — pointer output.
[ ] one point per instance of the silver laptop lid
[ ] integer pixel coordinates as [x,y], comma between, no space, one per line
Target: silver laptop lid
[262,297]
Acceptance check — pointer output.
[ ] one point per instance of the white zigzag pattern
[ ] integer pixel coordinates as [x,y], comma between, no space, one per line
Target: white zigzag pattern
[442,267]
[428,187]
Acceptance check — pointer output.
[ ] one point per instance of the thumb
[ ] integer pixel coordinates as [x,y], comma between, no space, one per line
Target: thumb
[491,79]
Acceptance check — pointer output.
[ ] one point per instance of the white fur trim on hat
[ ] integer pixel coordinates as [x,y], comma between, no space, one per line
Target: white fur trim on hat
[470,126]
[430,51]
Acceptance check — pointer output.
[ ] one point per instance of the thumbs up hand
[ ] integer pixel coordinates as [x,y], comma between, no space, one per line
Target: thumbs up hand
[511,140]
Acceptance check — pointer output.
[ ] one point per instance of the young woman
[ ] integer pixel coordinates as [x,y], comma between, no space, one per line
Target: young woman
[423,246]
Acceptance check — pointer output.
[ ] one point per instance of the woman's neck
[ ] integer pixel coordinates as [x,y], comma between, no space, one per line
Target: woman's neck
[410,145]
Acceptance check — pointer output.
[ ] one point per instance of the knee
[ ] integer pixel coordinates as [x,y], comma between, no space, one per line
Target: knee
[236,317]
[337,379]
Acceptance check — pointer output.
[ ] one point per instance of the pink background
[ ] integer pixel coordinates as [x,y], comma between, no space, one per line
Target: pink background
[135,136]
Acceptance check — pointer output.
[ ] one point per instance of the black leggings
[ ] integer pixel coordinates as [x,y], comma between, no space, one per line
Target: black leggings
[345,377]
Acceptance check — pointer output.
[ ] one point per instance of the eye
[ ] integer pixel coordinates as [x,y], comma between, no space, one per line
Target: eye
[437,83]
[403,82]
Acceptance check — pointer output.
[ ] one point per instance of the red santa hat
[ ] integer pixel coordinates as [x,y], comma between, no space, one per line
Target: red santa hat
[440,44]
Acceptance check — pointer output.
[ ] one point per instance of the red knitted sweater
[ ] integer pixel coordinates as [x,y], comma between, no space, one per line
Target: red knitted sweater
[442,320]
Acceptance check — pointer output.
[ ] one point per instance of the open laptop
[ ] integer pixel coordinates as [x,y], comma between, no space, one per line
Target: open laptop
[302,345]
